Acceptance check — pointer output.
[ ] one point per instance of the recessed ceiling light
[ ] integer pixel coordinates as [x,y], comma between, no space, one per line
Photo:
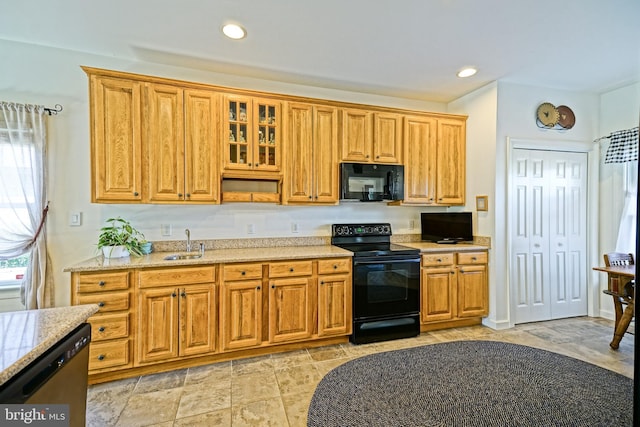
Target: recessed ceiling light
[234,31]
[467,72]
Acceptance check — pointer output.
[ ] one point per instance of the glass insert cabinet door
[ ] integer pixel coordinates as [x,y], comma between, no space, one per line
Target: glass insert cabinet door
[253,134]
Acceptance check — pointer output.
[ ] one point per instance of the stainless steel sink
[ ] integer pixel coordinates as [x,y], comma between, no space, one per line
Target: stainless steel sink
[174,257]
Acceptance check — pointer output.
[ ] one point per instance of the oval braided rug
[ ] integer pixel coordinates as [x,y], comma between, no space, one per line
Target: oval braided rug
[471,383]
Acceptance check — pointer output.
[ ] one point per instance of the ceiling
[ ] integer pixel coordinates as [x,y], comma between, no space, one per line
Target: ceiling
[403,48]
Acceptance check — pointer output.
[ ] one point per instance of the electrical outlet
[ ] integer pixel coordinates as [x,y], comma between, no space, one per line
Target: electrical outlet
[166,229]
[294,227]
[251,229]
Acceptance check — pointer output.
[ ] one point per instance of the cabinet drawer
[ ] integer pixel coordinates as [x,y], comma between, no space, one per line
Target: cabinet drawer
[113,301]
[290,268]
[109,327]
[328,266]
[435,260]
[473,258]
[242,271]
[108,354]
[176,276]
[101,282]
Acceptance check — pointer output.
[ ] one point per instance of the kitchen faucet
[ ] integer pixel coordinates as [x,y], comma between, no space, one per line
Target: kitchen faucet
[188,233]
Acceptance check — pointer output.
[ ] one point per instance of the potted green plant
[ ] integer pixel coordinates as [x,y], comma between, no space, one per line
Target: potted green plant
[119,239]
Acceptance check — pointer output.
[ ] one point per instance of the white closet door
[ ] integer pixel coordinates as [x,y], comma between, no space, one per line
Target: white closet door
[548,231]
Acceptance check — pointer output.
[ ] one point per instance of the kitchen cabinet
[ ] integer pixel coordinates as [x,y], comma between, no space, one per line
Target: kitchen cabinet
[180,137]
[454,287]
[370,137]
[311,170]
[177,313]
[291,303]
[334,297]
[434,149]
[252,134]
[116,139]
[241,306]
[111,327]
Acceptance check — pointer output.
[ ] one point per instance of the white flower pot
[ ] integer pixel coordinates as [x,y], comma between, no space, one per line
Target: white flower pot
[114,251]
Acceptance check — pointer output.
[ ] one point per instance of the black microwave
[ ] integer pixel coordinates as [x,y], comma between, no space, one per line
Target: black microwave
[369,182]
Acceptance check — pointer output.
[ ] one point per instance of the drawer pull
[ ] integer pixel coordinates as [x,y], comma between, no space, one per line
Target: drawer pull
[243,273]
[335,267]
[291,270]
[474,258]
[101,357]
[101,283]
[439,260]
[101,329]
[101,304]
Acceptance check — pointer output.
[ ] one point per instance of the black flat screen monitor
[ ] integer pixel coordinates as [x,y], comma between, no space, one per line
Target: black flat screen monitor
[446,227]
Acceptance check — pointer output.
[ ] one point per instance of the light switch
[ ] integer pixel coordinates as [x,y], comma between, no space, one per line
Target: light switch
[75,219]
[165,229]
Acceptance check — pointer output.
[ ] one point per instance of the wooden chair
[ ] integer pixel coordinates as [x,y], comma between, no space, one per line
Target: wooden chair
[622,295]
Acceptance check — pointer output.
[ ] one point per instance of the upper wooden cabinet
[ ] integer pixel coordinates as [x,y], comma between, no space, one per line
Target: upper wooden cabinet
[180,145]
[434,152]
[371,137]
[116,139]
[311,166]
[252,134]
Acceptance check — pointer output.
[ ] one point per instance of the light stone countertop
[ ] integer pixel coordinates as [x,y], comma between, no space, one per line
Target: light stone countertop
[214,256]
[25,335]
[437,247]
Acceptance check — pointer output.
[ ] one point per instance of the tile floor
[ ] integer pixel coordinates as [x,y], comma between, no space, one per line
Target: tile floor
[275,390]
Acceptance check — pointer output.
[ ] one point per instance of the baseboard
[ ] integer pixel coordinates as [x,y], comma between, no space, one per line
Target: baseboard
[491,323]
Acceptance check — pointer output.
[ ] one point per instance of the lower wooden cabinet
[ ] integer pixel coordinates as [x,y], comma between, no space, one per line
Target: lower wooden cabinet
[177,315]
[153,319]
[111,327]
[454,287]
[334,297]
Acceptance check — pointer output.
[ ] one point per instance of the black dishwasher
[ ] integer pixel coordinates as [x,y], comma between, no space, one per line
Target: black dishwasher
[57,377]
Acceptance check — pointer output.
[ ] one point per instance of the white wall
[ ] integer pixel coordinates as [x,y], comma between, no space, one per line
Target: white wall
[619,110]
[42,75]
[482,109]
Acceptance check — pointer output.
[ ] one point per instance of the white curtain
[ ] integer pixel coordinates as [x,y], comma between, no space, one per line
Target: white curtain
[23,197]
[627,232]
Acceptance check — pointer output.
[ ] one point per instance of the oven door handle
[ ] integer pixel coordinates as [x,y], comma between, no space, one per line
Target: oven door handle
[383,260]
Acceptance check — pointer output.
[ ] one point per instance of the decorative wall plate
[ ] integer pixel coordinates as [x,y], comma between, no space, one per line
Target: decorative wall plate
[566,117]
[547,114]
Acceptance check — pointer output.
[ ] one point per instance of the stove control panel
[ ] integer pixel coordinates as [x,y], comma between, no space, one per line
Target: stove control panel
[345,230]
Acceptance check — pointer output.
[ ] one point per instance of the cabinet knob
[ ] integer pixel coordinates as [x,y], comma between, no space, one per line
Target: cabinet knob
[273,286]
[453,272]
[179,194]
[101,357]
[101,304]
[474,258]
[258,287]
[439,260]
[242,273]
[310,197]
[101,283]
[101,329]
[135,193]
[322,282]
[249,164]
[335,267]
[377,157]
[188,194]
[183,294]
[174,295]
[291,270]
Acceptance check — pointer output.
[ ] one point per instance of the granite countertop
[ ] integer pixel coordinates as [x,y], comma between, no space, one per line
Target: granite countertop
[437,247]
[213,256]
[25,335]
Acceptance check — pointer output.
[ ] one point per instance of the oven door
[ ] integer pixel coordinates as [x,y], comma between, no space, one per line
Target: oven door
[385,286]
